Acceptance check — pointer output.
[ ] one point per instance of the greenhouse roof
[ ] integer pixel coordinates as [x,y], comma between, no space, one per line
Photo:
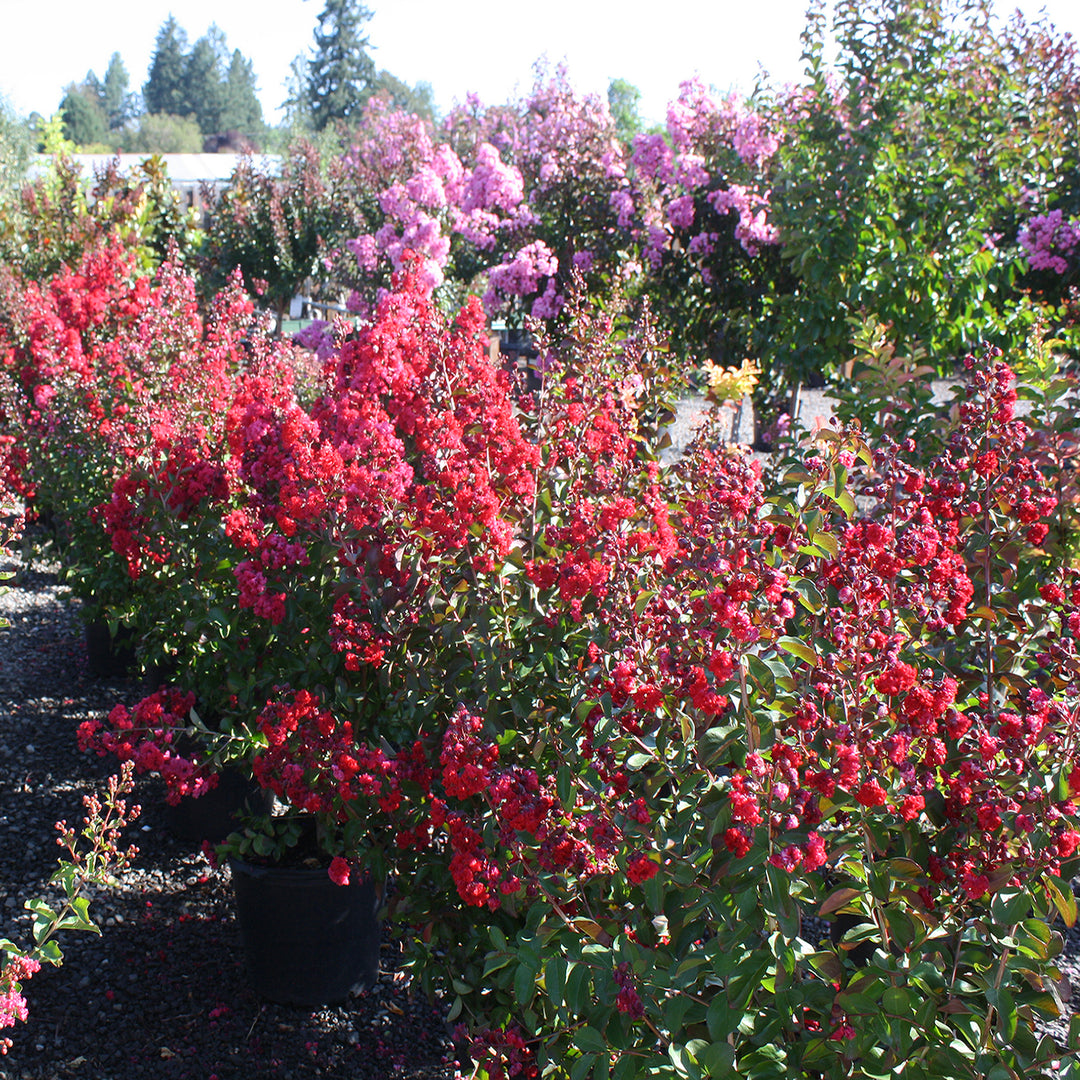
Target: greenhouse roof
[183,169]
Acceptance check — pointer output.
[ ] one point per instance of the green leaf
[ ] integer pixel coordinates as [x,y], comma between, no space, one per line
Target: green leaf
[1007,1018]
[555,971]
[50,953]
[826,543]
[564,786]
[842,499]
[798,647]
[43,925]
[683,1062]
[589,1040]
[897,1002]
[578,995]
[762,675]
[809,595]
[581,1068]
[1074,1033]
[1062,898]
[1010,906]
[718,1060]
[495,962]
[721,1019]
[524,984]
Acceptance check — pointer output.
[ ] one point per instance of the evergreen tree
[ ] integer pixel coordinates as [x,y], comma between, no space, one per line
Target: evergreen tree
[297,105]
[418,99]
[340,74]
[242,111]
[115,99]
[164,91]
[204,87]
[84,118]
[92,88]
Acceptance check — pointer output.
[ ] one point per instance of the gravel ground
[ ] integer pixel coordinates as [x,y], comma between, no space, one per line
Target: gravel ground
[162,992]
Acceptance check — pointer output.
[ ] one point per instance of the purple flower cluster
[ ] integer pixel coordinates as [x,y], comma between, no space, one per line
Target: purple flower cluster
[424,197]
[529,192]
[1050,241]
[714,161]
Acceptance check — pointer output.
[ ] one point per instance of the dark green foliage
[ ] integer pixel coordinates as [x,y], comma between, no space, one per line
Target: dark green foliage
[204,87]
[214,87]
[896,185]
[341,74]
[63,214]
[85,123]
[161,133]
[94,113]
[115,99]
[164,91]
[418,100]
[277,229]
[241,110]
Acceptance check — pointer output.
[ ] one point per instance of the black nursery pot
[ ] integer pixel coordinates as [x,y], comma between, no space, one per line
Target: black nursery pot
[216,814]
[306,940]
[109,655]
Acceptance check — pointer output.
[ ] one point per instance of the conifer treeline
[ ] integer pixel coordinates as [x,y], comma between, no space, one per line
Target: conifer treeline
[205,96]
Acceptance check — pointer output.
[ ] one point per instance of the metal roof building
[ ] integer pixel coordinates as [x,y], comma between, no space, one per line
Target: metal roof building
[187,172]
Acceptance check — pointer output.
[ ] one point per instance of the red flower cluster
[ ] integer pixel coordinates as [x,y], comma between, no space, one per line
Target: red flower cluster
[875,726]
[150,735]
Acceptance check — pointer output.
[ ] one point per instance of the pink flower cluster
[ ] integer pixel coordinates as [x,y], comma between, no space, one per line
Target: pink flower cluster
[150,735]
[1050,241]
[426,196]
[12,1003]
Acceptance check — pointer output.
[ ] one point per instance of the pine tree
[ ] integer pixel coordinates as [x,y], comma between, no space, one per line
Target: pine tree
[84,119]
[242,111]
[204,87]
[297,105]
[340,74]
[164,89]
[115,98]
[92,88]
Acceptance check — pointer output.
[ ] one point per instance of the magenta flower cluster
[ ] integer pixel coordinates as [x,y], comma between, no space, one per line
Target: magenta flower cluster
[1050,241]
[511,200]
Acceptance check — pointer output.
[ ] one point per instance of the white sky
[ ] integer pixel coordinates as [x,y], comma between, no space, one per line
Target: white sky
[486,46]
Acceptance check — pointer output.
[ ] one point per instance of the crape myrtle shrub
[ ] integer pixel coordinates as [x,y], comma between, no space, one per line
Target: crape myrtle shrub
[60,216]
[926,177]
[98,366]
[281,555]
[512,201]
[1048,236]
[910,169]
[279,228]
[642,720]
